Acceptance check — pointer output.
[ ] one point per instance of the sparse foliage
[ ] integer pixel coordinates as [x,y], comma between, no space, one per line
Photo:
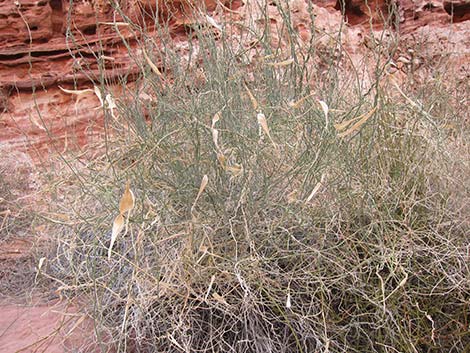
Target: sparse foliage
[281,205]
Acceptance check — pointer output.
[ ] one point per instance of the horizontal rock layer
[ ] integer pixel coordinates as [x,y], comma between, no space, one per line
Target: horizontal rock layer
[45,44]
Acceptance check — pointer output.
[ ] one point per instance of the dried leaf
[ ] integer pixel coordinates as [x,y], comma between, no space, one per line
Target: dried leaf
[215,119]
[114,23]
[98,94]
[109,58]
[235,170]
[111,104]
[254,102]
[264,126]
[151,64]
[409,100]
[215,138]
[77,323]
[118,225]
[325,109]
[222,160]
[127,201]
[38,269]
[263,123]
[282,63]
[297,104]
[267,57]
[146,97]
[77,92]
[362,120]
[210,287]
[288,301]
[315,189]
[343,125]
[110,101]
[35,122]
[213,22]
[41,263]
[204,181]
[401,284]
[219,298]
[292,196]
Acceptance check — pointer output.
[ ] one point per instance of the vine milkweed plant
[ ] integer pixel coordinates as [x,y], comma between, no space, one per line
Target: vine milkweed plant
[284,197]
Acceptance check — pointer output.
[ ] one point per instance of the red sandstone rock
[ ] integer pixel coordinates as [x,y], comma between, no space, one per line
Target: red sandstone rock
[38,53]
[459,10]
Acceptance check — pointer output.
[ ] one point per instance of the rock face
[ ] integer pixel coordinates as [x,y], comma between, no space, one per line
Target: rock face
[37,49]
[45,44]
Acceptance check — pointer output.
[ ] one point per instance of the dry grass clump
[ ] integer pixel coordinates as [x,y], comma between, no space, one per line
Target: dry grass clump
[17,190]
[17,184]
[337,226]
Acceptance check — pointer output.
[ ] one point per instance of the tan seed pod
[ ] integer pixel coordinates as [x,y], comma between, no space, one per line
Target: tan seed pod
[253,100]
[362,120]
[77,92]
[298,103]
[282,63]
[325,109]
[235,170]
[118,225]
[264,126]
[222,160]
[127,201]
[215,138]
[215,119]
[204,182]
[151,64]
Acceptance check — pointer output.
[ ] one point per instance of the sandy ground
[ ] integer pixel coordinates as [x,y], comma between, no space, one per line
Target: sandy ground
[30,323]
[40,327]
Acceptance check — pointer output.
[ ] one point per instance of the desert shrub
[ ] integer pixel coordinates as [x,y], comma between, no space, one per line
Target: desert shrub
[312,234]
